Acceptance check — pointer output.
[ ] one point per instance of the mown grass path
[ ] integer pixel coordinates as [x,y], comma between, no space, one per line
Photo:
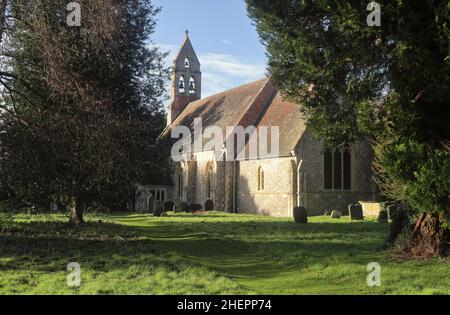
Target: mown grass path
[215,253]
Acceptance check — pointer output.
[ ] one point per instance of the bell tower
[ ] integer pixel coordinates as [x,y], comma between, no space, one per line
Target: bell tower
[186,80]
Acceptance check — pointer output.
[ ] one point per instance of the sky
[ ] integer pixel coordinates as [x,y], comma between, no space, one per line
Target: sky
[223,37]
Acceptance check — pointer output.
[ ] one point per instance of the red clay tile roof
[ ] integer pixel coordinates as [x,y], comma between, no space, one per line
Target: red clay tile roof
[257,103]
[290,120]
[222,110]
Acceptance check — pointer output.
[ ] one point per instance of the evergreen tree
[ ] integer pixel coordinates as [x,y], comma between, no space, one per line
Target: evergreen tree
[83,104]
[390,83]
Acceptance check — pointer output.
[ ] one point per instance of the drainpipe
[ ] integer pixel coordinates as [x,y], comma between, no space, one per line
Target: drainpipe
[297,180]
[234,186]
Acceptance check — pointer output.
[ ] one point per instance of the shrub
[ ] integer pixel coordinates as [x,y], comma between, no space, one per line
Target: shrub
[400,221]
[168,206]
[209,205]
[158,208]
[300,215]
[194,207]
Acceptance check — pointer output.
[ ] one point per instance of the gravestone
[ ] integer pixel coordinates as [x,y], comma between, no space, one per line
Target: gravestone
[356,212]
[383,216]
[209,205]
[335,214]
[392,211]
[158,208]
[300,215]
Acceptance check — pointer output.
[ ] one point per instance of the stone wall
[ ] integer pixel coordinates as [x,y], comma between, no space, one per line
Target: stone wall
[195,181]
[289,181]
[277,197]
[313,196]
[299,180]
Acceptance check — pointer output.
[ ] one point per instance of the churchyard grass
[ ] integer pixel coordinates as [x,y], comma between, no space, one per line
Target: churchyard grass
[214,253]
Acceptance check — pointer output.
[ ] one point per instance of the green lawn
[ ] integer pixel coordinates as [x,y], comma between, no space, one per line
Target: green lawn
[206,254]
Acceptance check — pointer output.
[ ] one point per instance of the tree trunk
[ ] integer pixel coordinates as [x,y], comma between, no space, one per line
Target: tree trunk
[428,238]
[3,4]
[76,211]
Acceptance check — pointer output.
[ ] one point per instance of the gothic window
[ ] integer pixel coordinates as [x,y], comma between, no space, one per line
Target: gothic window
[337,169]
[192,85]
[181,85]
[187,63]
[260,179]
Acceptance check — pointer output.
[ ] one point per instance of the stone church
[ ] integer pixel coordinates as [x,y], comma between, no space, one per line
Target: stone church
[302,174]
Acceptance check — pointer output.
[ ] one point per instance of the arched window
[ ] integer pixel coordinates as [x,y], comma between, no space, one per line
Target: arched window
[182,85]
[260,179]
[192,85]
[187,63]
[337,169]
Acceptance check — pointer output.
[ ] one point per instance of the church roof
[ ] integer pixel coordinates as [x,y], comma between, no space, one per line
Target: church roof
[223,109]
[289,118]
[257,103]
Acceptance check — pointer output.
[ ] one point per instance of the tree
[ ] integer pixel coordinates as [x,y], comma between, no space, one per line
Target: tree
[83,104]
[389,83]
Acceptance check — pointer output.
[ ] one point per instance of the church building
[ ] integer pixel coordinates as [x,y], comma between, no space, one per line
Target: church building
[303,173]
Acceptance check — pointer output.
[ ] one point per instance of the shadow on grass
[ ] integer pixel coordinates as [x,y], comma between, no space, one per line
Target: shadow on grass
[235,249]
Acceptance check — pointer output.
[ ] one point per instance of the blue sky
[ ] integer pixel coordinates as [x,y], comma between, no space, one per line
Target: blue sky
[223,37]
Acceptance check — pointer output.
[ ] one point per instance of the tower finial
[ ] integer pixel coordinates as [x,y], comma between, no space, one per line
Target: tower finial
[187,33]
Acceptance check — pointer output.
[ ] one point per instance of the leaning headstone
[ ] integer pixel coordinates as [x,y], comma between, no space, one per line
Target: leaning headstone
[392,211]
[383,216]
[300,215]
[356,212]
[336,214]
[158,208]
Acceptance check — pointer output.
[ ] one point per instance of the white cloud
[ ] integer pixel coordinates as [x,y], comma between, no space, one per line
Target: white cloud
[226,42]
[222,72]
[231,65]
